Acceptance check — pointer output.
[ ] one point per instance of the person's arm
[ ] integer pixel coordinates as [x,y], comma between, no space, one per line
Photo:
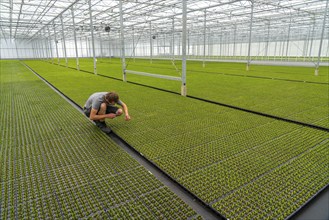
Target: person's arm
[94,116]
[125,110]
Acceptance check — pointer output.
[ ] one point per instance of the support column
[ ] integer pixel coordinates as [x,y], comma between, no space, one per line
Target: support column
[204,38]
[311,46]
[33,49]
[258,51]
[51,50]
[16,48]
[109,45]
[75,40]
[64,44]
[87,47]
[240,50]
[123,59]
[44,44]
[179,42]
[220,43]
[56,42]
[183,87]
[92,37]
[305,48]
[321,41]
[173,39]
[35,56]
[228,41]
[151,44]
[282,49]
[81,46]
[268,39]
[297,54]
[101,45]
[288,40]
[250,35]
[40,45]
[210,43]
[234,40]
[134,44]
[188,42]
[37,48]
[275,46]
[158,45]
[48,43]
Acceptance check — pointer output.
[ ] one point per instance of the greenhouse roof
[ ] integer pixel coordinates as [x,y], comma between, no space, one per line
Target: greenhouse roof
[36,18]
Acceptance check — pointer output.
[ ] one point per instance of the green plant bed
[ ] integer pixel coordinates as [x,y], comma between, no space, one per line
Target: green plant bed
[212,150]
[54,163]
[173,68]
[281,98]
[279,190]
[289,92]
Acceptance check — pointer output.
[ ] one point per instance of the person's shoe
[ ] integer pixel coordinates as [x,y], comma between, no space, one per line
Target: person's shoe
[102,125]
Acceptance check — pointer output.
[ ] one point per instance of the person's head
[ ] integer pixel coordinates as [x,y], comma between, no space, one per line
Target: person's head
[111,98]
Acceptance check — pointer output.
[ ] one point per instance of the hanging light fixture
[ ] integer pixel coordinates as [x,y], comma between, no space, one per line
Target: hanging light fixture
[107,28]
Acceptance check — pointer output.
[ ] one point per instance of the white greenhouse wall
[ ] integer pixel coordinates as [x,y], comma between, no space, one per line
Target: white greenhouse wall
[15,48]
[23,49]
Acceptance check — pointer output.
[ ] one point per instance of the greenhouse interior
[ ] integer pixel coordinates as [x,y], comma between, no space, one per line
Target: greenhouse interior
[223,110]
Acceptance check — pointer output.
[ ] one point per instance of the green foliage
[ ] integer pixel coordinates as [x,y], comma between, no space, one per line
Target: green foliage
[285,91]
[220,154]
[54,163]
